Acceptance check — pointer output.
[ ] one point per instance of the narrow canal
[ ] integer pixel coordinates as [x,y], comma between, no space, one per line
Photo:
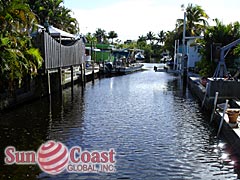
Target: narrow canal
[154,124]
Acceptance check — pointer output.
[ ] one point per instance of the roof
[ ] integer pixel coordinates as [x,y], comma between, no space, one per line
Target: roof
[55,32]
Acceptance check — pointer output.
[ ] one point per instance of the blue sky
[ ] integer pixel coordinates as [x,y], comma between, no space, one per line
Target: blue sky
[133,18]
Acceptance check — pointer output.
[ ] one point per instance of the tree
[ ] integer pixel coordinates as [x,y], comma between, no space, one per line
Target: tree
[142,38]
[170,37]
[55,13]
[15,17]
[100,34]
[196,25]
[112,35]
[161,37]
[150,36]
[222,35]
[91,39]
[141,42]
[65,21]
[196,21]
[17,56]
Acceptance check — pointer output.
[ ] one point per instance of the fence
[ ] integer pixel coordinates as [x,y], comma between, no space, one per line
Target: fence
[56,55]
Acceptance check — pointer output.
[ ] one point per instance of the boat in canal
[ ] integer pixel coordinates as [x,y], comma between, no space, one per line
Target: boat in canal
[125,62]
[121,69]
[129,69]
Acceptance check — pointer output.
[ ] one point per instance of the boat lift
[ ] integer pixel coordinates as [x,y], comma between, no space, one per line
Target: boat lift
[221,69]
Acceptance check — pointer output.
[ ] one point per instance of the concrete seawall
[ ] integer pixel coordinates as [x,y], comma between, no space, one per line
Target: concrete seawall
[38,88]
[227,90]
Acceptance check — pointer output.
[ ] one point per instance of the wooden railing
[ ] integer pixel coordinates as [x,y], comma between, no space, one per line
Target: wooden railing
[57,55]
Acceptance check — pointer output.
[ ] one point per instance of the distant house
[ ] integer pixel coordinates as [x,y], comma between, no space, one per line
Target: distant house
[193,53]
[100,52]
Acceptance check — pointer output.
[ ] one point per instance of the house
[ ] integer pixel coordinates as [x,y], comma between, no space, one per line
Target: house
[193,53]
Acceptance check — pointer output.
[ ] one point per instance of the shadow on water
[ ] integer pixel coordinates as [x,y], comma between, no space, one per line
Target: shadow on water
[30,125]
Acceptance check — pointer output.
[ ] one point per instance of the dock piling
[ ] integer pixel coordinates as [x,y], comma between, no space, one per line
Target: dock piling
[49,82]
[84,73]
[93,76]
[72,80]
[222,119]
[214,106]
[60,79]
[81,77]
[203,102]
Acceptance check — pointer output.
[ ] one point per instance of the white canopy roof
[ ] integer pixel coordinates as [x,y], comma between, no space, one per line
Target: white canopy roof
[55,32]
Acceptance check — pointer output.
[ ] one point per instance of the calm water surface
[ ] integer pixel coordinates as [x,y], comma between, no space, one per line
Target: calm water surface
[154,124]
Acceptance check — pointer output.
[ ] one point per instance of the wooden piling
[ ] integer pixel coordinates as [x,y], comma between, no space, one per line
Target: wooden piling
[205,95]
[81,71]
[72,80]
[222,119]
[60,78]
[214,106]
[84,73]
[49,82]
[93,77]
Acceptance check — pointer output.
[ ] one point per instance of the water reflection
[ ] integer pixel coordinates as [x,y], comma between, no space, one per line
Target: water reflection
[154,124]
[27,127]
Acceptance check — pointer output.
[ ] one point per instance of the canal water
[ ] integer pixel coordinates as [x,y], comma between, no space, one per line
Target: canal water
[154,124]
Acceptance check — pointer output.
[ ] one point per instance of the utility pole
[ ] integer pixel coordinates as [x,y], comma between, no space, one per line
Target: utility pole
[184,54]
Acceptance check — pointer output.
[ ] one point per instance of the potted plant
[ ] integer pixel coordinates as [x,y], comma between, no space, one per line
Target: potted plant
[232,115]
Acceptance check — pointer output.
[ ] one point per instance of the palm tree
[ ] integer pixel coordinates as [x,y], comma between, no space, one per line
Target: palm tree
[91,39]
[100,34]
[150,36]
[112,35]
[118,41]
[142,38]
[65,21]
[56,14]
[196,21]
[170,37]
[161,37]
[141,42]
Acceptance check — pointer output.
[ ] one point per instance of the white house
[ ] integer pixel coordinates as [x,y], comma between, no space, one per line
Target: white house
[193,53]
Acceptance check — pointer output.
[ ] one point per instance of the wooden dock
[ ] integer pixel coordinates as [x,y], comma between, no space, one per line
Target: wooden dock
[89,74]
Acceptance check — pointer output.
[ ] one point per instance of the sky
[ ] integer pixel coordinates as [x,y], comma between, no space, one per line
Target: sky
[133,18]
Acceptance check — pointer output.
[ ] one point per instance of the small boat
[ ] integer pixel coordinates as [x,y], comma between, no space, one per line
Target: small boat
[129,69]
[124,62]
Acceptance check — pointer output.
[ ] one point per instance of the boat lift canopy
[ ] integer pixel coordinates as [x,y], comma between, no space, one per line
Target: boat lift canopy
[55,32]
